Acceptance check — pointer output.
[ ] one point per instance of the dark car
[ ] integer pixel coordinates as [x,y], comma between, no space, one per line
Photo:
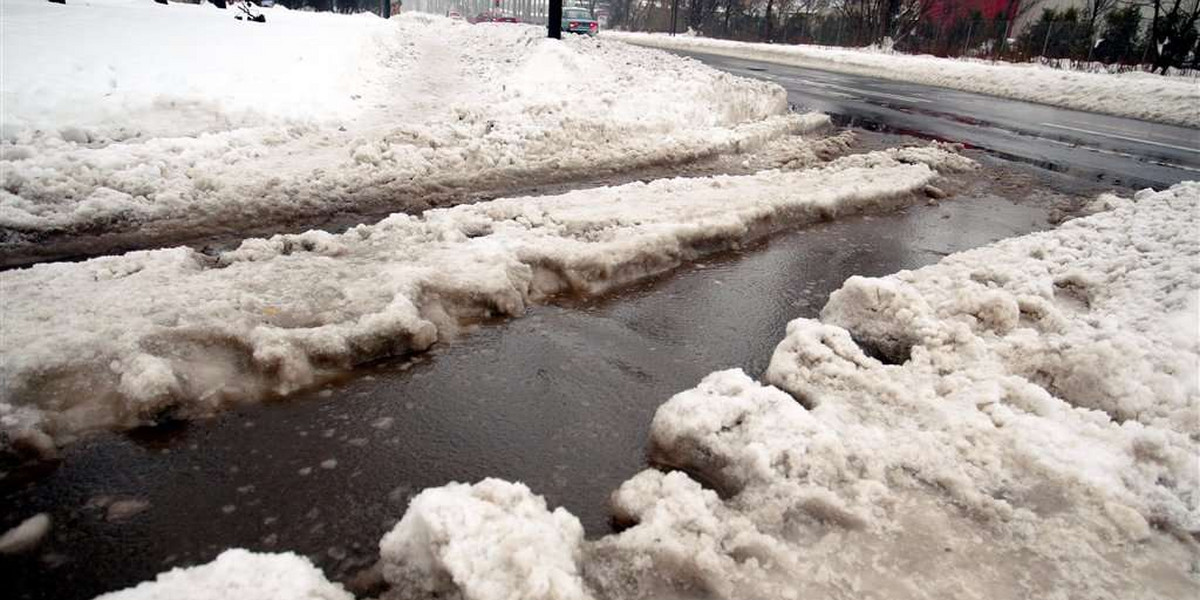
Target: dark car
[494,16]
[579,20]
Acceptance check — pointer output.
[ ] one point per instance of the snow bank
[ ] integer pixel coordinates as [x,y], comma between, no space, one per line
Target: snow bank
[116,341]
[241,575]
[490,541]
[1017,421]
[1138,95]
[153,122]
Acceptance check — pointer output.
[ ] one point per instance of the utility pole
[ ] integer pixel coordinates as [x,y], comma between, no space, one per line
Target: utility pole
[554,20]
[674,15]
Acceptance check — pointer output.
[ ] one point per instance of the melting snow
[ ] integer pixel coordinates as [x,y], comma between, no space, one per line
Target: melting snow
[119,340]
[1016,421]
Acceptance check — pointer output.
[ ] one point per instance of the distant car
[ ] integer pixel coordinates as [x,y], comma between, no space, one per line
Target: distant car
[455,15]
[494,16]
[579,20]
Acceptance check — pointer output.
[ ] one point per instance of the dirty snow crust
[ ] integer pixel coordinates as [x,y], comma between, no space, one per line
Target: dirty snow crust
[122,340]
[174,132]
[1173,100]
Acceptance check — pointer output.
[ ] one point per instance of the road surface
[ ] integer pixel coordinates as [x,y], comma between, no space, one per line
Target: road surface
[1101,148]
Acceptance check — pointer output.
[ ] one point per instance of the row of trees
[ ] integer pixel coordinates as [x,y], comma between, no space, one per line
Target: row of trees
[1158,33]
[1162,34]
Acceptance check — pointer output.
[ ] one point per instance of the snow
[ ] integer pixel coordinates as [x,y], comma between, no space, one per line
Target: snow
[901,448]
[117,69]
[997,451]
[493,540]
[1173,100]
[1034,416]
[123,340]
[239,574]
[26,535]
[158,122]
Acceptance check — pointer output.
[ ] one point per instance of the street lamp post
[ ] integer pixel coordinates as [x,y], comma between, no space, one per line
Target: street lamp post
[554,20]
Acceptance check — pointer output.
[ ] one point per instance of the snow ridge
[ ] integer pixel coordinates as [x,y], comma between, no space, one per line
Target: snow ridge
[120,340]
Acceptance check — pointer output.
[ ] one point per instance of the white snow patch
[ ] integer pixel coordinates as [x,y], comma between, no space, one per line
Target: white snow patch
[493,540]
[239,574]
[120,340]
[1173,100]
[156,122]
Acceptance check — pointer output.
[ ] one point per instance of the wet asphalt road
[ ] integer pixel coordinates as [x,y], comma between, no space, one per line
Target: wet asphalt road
[561,399]
[1093,147]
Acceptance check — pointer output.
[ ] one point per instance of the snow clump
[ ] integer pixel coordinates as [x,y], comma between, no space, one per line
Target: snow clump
[242,575]
[493,540]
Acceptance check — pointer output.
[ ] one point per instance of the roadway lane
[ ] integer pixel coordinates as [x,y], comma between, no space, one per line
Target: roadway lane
[1100,148]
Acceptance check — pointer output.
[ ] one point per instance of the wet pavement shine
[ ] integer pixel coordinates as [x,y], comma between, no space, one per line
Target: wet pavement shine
[560,399]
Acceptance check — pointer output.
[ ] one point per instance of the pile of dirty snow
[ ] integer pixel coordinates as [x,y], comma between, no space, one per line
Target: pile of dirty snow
[118,341]
[133,124]
[1174,100]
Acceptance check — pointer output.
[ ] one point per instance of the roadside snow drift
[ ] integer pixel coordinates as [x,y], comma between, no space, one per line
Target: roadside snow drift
[1174,100]
[117,341]
[1017,421]
[128,122]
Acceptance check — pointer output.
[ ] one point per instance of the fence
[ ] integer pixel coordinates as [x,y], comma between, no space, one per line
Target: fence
[526,11]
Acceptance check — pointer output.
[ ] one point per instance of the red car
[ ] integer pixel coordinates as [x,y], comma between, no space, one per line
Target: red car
[494,16]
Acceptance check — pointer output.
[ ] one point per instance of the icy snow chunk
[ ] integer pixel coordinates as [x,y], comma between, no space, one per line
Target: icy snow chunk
[125,508]
[685,538]
[733,432]
[493,540]
[240,574]
[26,535]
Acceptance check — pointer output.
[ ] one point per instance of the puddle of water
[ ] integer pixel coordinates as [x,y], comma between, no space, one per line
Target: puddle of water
[560,399]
